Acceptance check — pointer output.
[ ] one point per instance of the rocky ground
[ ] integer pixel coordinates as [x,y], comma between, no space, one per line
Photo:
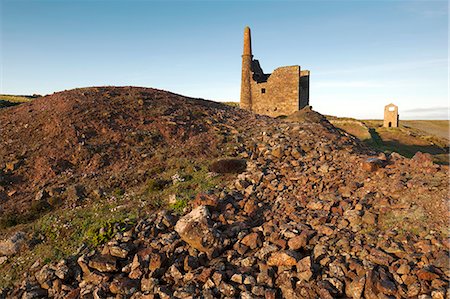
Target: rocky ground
[314,214]
[69,144]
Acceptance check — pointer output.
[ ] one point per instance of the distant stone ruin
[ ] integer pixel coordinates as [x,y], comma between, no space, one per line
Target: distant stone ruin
[282,92]
[390,116]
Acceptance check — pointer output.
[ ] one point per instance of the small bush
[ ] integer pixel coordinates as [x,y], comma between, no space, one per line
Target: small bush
[179,206]
[9,220]
[118,192]
[106,232]
[154,185]
[228,166]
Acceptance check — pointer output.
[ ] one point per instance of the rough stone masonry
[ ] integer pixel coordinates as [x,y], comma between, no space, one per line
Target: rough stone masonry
[282,92]
[390,116]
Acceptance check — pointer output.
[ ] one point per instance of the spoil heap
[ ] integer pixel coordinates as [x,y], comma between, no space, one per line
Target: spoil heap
[314,215]
[105,137]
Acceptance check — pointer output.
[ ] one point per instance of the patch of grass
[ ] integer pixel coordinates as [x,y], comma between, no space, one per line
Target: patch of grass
[16,98]
[411,137]
[353,127]
[193,179]
[405,142]
[410,221]
[154,185]
[59,234]
[180,205]
[232,104]
[12,100]
[55,201]
[9,220]
[103,232]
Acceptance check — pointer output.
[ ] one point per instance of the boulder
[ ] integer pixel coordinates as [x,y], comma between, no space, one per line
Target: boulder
[103,263]
[372,164]
[195,229]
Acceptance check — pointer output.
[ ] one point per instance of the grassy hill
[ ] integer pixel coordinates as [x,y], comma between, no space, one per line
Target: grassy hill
[13,100]
[427,136]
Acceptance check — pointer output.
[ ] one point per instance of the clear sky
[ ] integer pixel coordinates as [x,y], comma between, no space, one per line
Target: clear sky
[362,54]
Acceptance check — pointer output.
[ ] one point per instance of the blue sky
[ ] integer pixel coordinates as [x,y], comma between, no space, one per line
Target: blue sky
[362,54]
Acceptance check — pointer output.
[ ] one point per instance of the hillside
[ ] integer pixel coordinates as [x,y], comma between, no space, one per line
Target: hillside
[133,192]
[427,136]
[440,128]
[13,100]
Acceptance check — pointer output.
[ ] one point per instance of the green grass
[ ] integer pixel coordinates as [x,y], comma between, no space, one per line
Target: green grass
[57,231]
[194,179]
[232,104]
[410,138]
[13,218]
[16,99]
[58,234]
[12,100]
[410,221]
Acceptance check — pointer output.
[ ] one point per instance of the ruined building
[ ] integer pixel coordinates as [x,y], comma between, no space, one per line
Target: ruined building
[390,116]
[282,92]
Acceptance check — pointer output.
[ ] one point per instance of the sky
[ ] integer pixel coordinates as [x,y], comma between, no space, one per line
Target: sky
[362,54]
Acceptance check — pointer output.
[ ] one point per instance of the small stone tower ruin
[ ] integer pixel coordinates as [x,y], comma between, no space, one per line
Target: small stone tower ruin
[390,116]
[282,92]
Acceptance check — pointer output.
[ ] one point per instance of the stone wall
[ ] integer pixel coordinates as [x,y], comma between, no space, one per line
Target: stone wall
[280,94]
[283,92]
[304,89]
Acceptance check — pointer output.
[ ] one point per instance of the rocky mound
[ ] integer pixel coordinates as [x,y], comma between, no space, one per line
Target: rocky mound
[314,215]
[308,115]
[73,143]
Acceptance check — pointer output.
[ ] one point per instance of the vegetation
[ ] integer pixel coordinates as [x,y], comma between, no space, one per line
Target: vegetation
[13,218]
[61,232]
[406,140]
[12,100]
[180,183]
[406,221]
[232,104]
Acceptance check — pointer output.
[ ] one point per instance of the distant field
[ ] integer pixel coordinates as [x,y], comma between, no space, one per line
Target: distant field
[428,136]
[12,100]
[439,128]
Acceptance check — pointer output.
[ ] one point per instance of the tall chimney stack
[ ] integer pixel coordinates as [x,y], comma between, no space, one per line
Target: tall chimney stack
[247,57]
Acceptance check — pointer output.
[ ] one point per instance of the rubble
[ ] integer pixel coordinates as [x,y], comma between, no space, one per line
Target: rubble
[306,218]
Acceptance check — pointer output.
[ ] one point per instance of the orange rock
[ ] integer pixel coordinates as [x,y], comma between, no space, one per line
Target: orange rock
[283,258]
[372,164]
[426,274]
[252,240]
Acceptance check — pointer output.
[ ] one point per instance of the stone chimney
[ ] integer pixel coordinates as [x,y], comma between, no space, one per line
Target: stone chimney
[247,57]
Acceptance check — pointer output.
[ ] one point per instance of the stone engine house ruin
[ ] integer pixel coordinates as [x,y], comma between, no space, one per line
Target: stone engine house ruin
[390,116]
[282,92]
